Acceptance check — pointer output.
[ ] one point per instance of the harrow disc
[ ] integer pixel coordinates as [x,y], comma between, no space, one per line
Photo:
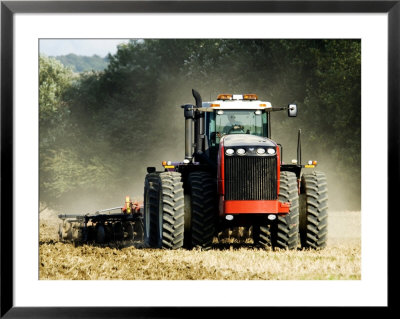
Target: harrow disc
[100,234]
[65,231]
[118,231]
[129,231]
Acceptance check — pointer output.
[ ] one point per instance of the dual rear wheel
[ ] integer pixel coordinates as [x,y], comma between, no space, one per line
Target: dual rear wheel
[313,210]
[306,225]
[163,210]
[174,219]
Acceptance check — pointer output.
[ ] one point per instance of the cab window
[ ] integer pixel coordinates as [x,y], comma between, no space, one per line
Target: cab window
[223,122]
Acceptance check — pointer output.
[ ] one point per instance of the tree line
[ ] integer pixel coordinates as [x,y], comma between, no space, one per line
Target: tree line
[79,63]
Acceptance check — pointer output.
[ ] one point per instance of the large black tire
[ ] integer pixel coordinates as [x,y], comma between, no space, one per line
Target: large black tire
[164,210]
[202,205]
[314,210]
[262,236]
[285,229]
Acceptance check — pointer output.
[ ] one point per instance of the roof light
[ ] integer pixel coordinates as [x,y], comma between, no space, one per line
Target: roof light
[167,164]
[250,97]
[224,97]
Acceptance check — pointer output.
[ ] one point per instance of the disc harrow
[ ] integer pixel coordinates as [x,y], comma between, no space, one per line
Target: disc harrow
[116,224]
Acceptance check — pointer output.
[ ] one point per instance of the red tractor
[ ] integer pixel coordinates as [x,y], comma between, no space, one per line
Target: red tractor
[233,175]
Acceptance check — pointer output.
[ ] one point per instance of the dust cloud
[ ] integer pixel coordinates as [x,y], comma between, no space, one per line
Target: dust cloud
[167,127]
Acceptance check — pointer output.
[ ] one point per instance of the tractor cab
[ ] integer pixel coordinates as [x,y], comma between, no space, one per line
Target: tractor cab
[234,114]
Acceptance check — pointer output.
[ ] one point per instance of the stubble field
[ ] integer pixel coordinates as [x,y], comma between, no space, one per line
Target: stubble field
[232,260]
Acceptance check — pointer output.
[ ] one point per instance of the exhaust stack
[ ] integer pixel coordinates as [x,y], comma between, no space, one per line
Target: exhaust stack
[299,147]
[189,116]
[197,97]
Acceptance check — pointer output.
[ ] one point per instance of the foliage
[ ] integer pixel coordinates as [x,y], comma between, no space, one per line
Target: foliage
[79,63]
[54,79]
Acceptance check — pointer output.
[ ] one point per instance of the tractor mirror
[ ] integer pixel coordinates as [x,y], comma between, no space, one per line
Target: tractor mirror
[292,110]
[151,170]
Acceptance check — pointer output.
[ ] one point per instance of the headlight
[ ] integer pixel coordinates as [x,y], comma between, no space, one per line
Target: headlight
[271,151]
[241,151]
[229,151]
[260,150]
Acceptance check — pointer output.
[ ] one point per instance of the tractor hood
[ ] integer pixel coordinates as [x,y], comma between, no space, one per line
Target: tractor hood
[235,140]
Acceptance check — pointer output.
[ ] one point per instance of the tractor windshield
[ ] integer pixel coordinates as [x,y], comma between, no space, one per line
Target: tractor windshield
[223,122]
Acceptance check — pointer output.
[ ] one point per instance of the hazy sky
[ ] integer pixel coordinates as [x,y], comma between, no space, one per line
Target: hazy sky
[88,47]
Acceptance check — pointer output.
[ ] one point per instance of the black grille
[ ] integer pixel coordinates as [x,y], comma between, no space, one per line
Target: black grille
[250,178]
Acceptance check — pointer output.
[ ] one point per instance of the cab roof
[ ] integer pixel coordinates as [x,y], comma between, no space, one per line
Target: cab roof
[237,104]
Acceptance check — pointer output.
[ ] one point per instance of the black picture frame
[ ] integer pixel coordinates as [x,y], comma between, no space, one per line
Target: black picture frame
[9,8]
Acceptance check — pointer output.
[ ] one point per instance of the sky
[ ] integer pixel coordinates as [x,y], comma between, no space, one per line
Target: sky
[86,47]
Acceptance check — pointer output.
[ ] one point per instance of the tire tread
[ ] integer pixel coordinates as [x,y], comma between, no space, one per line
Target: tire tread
[314,215]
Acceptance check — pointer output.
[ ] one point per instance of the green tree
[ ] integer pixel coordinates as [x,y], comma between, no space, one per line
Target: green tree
[54,80]
[79,63]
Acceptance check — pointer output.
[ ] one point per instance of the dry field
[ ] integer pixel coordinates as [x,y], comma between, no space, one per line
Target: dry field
[229,261]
